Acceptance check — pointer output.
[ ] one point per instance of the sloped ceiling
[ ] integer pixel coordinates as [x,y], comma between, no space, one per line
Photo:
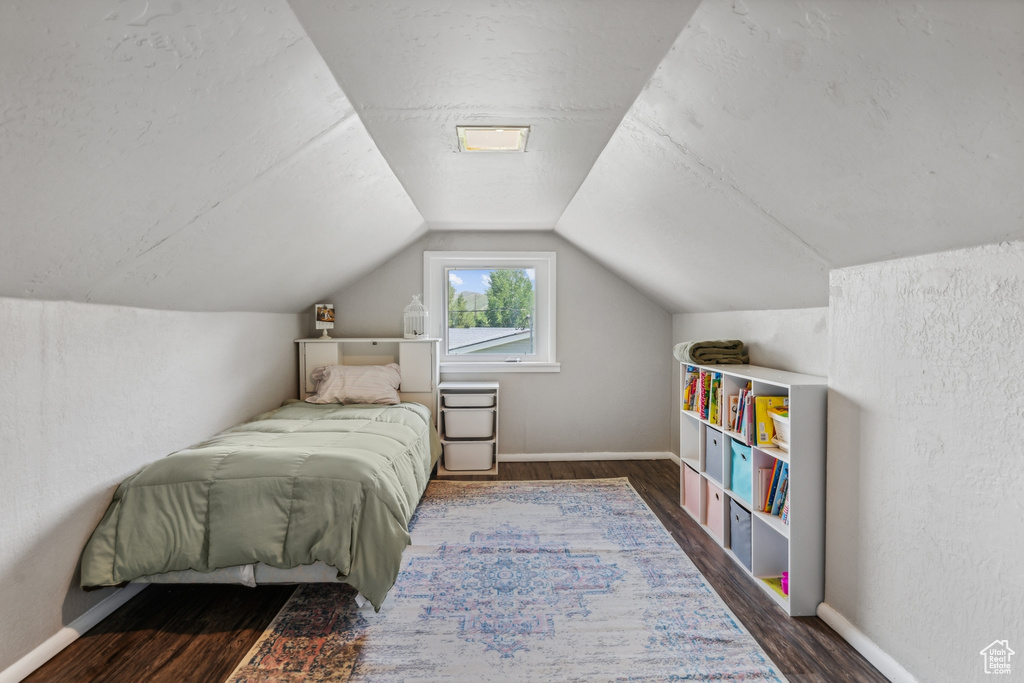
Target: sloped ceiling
[196,156]
[569,69]
[780,139]
[190,156]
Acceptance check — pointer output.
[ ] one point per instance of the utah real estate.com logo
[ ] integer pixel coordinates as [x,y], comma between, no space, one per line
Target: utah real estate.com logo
[997,657]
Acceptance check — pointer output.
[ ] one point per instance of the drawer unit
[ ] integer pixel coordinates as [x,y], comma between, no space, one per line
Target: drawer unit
[469,455]
[469,400]
[713,453]
[741,470]
[715,510]
[739,532]
[691,491]
[467,424]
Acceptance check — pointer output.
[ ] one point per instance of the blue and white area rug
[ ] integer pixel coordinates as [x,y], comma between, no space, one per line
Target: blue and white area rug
[520,581]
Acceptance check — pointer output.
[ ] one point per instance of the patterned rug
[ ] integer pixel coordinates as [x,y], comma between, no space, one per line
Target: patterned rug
[520,581]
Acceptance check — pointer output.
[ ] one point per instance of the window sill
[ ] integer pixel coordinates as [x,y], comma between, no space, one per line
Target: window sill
[455,368]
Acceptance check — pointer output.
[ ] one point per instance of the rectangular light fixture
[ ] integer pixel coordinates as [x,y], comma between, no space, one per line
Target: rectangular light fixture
[492,138]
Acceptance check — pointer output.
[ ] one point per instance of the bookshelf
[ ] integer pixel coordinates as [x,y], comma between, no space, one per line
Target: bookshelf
[718,459]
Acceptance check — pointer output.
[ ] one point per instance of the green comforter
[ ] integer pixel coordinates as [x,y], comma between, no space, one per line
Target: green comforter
[298,484]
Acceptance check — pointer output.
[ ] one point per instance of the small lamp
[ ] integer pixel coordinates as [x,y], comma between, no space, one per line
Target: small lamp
[324,315]
[415,318]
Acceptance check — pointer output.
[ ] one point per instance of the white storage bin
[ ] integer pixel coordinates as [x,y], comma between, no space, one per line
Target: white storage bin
[468,424]
[468,400]
[468,456]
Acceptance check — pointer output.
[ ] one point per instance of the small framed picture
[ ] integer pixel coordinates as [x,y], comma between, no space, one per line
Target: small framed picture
[324,316]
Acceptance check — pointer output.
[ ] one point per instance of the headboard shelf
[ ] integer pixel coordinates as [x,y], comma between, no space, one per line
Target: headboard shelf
[418,359]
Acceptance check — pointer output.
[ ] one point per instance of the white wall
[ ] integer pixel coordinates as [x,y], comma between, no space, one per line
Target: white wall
[90,393]
[795,340]
[614,345]
[925,528]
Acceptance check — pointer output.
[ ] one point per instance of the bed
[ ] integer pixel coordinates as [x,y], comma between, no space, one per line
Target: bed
[305,492]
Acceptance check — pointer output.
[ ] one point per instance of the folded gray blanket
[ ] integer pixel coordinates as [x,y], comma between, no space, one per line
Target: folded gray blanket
[713,352]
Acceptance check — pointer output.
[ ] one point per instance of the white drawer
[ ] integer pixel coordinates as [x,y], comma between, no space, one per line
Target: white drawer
[468,456]
[468,400]
[468,424]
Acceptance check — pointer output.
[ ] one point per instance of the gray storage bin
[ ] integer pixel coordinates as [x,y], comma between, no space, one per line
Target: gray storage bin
[739,532]
[713,453]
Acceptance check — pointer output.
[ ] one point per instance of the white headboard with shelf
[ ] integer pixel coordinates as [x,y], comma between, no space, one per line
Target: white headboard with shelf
[418,359]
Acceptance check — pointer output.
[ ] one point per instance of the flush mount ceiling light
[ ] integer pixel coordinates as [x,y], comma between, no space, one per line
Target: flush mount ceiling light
[492,138]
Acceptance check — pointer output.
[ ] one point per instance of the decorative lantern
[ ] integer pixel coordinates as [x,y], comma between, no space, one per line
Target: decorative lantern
[415,318]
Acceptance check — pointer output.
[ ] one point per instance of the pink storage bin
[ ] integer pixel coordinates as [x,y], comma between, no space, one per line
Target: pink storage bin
[715,510]
[691,491]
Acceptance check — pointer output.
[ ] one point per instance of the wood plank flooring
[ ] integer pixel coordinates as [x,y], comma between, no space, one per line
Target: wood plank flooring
[199,633]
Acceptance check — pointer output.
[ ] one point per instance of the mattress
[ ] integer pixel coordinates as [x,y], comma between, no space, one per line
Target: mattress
[301,485]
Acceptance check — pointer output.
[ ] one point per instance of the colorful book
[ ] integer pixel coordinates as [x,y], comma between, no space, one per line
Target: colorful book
[769,499]
[785,508]
[713,402]
[702,396]
[765,426]
[689,391]
[781,493]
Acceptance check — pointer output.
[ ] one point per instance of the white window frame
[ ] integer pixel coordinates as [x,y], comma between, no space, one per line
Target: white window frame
[435,295]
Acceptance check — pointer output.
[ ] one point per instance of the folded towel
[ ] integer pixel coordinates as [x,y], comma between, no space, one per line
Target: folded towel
[713,352]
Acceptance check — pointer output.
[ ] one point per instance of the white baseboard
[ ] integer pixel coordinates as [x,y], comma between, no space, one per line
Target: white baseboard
[881,659]
[69,634]
[562,457]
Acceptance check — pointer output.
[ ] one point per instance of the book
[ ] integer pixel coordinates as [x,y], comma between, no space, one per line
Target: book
[765,426]
[713,402]
[702,395]
[748,417]
[764,479]
[769,499]
[734,405]
[781,493]
[785,508]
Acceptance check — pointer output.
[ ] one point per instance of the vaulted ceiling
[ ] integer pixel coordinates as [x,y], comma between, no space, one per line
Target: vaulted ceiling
[718,156]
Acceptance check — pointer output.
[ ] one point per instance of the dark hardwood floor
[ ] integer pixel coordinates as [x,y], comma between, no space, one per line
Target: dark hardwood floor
[199,633]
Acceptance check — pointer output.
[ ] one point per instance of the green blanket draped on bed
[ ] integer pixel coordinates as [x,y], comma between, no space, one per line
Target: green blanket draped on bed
[298,484]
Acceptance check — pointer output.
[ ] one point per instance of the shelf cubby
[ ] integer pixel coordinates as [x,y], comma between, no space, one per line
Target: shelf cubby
[796,547]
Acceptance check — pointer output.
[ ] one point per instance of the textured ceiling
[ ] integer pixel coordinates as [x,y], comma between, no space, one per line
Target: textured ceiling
[204,157]
[568,69]
[780,139]
[190,156]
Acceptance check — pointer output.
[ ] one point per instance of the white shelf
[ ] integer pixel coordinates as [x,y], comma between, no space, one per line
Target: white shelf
[773,521]
[418,359]
[442,472]
[692,461]
[774,546]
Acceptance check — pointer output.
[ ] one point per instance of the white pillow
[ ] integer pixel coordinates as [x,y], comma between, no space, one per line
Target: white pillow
[357,384]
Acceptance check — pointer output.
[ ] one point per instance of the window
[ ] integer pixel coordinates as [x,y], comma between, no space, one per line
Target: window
[493,311]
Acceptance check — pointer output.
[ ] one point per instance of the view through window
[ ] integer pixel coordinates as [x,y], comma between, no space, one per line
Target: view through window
[491,311]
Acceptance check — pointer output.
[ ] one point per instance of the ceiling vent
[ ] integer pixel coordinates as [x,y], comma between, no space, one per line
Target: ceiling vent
[492,138]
